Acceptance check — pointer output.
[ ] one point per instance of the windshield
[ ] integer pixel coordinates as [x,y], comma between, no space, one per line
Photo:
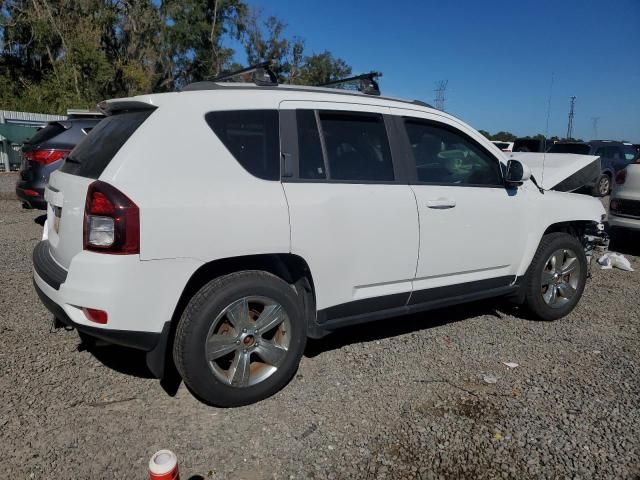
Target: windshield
[579,148]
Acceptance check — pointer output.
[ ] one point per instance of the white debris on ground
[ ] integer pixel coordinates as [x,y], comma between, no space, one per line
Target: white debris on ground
[510,364]
[612,259]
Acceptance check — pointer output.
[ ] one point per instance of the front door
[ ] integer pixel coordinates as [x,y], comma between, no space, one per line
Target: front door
[472,231]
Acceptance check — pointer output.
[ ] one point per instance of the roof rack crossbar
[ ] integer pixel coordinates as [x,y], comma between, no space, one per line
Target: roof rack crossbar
[367,82]
[263,74]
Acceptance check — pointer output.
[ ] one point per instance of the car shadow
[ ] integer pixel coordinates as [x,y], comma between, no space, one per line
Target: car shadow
[132,362]
[626,242]
[393,327]
[121,359]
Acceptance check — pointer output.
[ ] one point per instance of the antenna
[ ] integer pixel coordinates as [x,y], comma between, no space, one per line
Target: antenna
[594,121]
[367,82]
[441,86]
[572,105]
[546,133]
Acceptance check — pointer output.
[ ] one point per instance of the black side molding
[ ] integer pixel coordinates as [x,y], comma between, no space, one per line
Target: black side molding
[46,267]
[368,310]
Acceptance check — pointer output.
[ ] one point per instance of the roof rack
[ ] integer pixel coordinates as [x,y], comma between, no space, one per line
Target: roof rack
[263,74]
[367,82]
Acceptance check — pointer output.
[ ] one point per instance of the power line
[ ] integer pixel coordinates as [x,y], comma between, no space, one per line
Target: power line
[572,105]
[441,86]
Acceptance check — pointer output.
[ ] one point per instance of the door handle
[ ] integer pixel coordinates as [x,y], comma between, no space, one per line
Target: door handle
[441,203]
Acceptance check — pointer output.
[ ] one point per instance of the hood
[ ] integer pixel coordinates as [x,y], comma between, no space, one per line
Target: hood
[566,170]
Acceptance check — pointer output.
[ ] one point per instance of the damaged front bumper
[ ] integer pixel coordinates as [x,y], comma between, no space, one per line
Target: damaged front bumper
[595,240]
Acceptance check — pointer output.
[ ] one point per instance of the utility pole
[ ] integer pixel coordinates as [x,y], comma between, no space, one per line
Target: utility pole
[570,126]
[594,120]
[441,86]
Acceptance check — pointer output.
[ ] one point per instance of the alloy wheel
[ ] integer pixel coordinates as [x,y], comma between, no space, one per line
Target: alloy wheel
[560,278]
[248,341]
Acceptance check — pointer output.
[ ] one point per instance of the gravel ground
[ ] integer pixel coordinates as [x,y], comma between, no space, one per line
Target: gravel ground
[404,398]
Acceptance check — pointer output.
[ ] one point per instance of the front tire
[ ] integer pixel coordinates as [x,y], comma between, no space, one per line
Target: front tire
[557,276]
[240,339]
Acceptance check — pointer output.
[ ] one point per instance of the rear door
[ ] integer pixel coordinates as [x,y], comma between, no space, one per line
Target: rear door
[353,217]
[67,190]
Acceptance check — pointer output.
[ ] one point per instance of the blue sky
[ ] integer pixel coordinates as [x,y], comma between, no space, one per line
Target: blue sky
[498,56]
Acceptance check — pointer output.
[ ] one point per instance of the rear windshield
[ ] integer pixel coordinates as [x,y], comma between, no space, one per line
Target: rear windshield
[579,148]
[45,133]
[92,155]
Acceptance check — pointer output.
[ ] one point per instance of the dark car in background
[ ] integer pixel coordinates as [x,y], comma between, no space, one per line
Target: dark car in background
[45,152]
[614,156]
[528,145]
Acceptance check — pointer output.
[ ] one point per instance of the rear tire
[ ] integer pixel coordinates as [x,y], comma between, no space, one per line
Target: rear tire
[240,339]
[557,276]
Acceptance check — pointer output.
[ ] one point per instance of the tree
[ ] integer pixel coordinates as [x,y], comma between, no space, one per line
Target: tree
[322,68]
[193,32]
[60,54]
[504,136]
[264,40]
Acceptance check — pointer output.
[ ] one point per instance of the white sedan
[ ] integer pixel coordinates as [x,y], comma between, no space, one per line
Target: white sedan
[624,209]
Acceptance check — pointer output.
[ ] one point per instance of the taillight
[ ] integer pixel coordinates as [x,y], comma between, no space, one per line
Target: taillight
[621,177]
[613,205]
[45,157]
[95,315]
[111,221]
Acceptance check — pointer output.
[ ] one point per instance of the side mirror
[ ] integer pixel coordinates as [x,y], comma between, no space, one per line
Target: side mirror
[517,173]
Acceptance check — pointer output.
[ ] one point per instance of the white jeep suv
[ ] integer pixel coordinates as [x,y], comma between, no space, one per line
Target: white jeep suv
[221,226]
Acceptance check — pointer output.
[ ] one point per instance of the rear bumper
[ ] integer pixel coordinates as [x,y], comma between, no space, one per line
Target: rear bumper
[146,341]
[34,201]
[138,296]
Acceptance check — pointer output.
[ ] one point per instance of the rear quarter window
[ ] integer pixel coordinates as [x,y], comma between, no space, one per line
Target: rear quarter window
[92,155]
[252,137]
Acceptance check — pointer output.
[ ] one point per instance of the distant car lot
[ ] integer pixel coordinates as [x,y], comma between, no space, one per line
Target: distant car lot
[45,152]
[614,156]
[405,398]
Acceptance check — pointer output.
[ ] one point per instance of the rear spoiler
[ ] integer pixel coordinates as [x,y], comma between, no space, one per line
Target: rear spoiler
[113,107]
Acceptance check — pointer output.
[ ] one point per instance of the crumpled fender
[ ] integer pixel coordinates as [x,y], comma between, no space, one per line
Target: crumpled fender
[551,208]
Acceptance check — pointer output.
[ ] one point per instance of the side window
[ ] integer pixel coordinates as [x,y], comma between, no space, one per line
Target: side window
[616,153]
[445,157]
[309,147]
[357,147]
[252,137]
[609,152]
